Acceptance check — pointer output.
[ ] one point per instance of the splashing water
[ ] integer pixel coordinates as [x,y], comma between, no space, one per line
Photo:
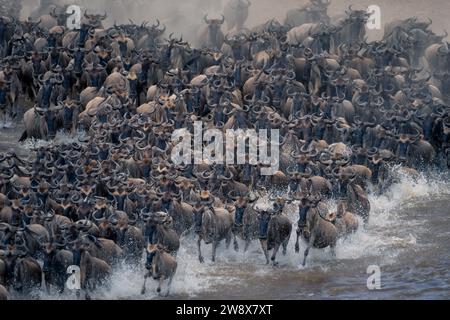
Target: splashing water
[391,232]
[62,137]
[401,225]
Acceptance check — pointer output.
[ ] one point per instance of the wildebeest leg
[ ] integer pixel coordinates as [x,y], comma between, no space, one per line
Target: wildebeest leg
[199,244]
[297,244]
[145,281]
[14,107]
[310,243]
[86,292]
[274,254]
[160,282]
[247,243]
[285,243]
[235,243]
[228,240]
[2,115]
[47,284]
[264,247]
[169,283]
[214,247]
[333,250]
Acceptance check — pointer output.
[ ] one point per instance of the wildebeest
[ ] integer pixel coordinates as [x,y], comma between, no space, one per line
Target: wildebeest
[164,267]
[23,273]
[56,263]
[94,272]
[212,35]
[318,231]
[236,13]
[312,12]
[212,225]
[274,231]
[347,110]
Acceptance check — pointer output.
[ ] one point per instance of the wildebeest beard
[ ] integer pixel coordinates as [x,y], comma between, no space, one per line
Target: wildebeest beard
[264,220]
[239,215]
[302,214]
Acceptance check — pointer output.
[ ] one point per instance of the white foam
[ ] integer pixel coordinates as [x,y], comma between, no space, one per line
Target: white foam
[62,137]
[380,239]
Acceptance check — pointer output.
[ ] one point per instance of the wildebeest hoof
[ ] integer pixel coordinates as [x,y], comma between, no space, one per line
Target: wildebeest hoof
[158,290]
[143,291]
[297,248]
[201,259]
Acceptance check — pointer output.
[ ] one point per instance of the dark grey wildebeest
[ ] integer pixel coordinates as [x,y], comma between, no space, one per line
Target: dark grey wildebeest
[274,231]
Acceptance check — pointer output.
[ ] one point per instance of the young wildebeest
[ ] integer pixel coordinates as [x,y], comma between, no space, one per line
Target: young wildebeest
[163,267]
[212,225]
[274,231]
[346,223]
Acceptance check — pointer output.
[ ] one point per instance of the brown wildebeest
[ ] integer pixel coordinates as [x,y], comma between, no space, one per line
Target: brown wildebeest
[164,267]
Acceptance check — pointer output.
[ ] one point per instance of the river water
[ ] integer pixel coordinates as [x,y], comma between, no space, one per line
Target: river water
[407,237]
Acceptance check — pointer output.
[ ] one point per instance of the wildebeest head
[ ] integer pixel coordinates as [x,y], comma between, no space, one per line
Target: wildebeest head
[51,115]
[50,249]
[61,17]
[264,217]
[94,20]
[198,217]
[357,16]
[214,26]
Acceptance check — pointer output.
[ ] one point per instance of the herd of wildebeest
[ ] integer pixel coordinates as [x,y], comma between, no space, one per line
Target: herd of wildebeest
[347,111]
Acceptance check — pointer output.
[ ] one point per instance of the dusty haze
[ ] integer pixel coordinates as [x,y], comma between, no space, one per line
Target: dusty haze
[184,17]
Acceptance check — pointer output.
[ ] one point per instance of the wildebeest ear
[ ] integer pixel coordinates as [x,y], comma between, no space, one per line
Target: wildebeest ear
[332,216]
